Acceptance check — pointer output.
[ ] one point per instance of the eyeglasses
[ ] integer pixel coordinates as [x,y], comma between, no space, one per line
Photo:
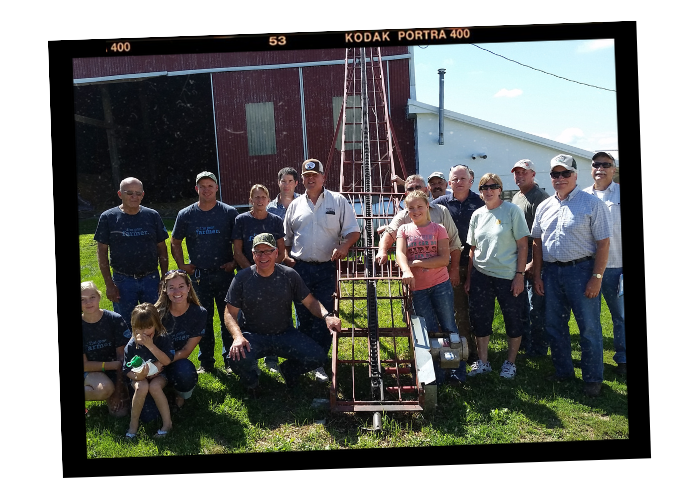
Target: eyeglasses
[413,188]
[597,164]
[175,271]
[131,193]
[260,253]
[565,174]
[484,187]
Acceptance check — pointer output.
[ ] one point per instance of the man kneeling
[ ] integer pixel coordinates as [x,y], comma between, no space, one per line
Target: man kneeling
[264,293]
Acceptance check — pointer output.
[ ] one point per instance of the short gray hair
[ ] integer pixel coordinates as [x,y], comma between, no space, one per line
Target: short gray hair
[129,180]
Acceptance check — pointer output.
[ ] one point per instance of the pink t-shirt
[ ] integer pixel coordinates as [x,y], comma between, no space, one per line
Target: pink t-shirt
[422,243]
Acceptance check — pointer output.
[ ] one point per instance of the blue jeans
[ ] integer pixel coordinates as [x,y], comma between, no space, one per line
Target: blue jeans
[320,279]
[182,375]
[301,352]
[564,289]
[484,291]
[611,279]
[436,305]
[534,341]
[212,287]
[133,291]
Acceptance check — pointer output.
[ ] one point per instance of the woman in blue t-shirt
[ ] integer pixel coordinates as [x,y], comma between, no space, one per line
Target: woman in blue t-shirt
[185,320]
[105,334]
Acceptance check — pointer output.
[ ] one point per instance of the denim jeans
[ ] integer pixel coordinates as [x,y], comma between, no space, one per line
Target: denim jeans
[564,289]
[436,305]
[134,291]
[182,375]
[301,352]
[534,341]
[211,287]
[611,279]
[320,279]
[484,291]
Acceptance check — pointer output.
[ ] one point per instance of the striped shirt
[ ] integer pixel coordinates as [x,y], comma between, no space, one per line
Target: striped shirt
[570,228]
[611,198]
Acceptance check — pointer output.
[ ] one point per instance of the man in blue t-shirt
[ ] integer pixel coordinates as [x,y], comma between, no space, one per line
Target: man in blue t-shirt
[131,239]
[462,203]
[207,227]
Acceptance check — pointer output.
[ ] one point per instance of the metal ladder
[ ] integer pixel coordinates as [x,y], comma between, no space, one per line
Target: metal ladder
[375,362]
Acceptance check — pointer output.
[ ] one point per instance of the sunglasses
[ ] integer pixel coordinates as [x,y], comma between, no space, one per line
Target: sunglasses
[131,193]
[414,188]
[260,253]
[565,174]
[597,164]
[484,187]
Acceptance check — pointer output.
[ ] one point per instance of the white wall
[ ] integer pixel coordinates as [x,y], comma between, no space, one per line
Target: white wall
[502,151]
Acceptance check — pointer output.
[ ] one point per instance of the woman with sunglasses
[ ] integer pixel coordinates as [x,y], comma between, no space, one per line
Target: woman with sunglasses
[185,321]
[498,238]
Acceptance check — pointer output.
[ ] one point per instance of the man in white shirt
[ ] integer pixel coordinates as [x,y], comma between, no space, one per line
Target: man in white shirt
[320,227]
[603,168]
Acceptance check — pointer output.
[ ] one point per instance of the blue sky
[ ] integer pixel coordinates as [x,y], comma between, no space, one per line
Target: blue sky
[482,85]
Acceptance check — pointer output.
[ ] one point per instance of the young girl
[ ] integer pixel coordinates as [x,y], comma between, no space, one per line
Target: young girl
[150,342]
[104,336]
[185,320]
[422,253]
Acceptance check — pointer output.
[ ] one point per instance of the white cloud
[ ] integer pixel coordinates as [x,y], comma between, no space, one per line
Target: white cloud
[508,93]
[571,135]
[592,45]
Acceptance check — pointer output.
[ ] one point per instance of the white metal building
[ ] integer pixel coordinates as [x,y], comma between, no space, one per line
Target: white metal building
[485,147]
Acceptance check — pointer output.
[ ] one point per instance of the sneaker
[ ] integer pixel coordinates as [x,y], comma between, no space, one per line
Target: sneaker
[621,369]
[205,369]
[478,368]
[320,374]
[272,365]
[592,389]
[508,369]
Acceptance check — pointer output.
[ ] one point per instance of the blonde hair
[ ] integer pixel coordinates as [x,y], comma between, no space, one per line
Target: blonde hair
[488,177]
[163,303]
[145,316]
[418,195]
[256,187]
[90,285]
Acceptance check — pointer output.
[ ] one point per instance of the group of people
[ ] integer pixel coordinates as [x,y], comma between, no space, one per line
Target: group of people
[160,317]
[458,252]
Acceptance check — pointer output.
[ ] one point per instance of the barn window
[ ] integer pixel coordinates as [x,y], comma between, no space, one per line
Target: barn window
[353,114]
[260,121]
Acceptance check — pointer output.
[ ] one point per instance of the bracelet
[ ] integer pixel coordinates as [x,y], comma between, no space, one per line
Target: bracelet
[103,366]
[329,313]
[519,272]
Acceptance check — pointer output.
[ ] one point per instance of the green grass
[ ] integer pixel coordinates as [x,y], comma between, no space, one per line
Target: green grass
[220,418]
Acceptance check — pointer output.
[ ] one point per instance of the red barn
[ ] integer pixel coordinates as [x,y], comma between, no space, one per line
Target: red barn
[264,111]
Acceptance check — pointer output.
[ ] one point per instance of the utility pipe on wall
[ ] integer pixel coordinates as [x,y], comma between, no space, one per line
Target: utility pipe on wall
[441,115]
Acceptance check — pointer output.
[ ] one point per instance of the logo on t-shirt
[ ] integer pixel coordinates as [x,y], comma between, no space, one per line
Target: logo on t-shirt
[127,334]
[207,230]
[134,232]
[330,211]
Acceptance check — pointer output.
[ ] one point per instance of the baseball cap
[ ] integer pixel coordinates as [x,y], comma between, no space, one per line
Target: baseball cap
[204,174]
[566,161]
[607,155]
[264,239]
[311,165]
[526,164]
[437,174]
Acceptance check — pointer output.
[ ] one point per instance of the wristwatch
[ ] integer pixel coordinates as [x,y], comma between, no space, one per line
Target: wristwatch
[520,272]
[329,313]
[599,276]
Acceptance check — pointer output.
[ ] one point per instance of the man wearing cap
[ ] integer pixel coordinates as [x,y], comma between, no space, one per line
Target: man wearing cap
[438,185]
[462,203]
[534,341]
[571,235]
[264,327]
[603,168]
[134,238]
[207,227]
[320,227]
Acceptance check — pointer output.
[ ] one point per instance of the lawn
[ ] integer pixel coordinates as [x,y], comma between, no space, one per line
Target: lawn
[221,418]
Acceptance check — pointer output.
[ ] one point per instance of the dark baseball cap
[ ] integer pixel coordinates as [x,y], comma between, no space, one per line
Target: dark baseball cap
[311,165]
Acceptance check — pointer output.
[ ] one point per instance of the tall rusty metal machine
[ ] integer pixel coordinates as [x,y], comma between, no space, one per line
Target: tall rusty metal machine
[381,358]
